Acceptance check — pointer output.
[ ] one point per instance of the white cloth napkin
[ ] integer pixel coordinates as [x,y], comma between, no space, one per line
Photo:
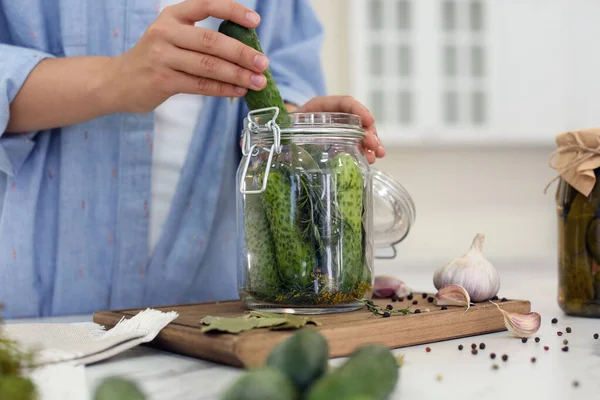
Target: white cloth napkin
[64,347]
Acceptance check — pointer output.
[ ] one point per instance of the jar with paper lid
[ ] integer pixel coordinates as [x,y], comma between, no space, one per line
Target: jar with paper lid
[577,160]
[306,197]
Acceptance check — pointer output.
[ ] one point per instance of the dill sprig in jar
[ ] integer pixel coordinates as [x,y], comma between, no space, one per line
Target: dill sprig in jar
[577,160]
[306,232]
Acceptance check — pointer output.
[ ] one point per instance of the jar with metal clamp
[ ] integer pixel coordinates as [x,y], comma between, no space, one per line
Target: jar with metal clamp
[306,200]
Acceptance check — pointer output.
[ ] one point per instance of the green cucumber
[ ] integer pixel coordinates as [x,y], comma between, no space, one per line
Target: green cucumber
[370,372]
[270,95]
[261,383]
[117,388]
[296,258]
[303,357]
[348,180]
[262,268]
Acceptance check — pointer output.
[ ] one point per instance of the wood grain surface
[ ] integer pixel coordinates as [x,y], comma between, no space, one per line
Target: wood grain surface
[343,331]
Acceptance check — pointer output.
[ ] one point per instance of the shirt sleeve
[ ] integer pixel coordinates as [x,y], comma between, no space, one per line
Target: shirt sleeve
[16,63]
[293,38]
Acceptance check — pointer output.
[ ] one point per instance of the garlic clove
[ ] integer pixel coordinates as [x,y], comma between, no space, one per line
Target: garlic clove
[453,295]
[386,286]
[472,271]
[521,325]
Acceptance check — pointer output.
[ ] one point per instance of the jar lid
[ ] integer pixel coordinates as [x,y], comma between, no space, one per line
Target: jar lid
[307,123]
[393,210]
[576,158]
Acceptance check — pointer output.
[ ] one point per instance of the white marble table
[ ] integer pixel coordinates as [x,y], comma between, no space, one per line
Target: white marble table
[444,373]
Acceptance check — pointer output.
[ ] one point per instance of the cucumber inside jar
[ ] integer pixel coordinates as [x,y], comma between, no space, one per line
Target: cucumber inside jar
[306,235]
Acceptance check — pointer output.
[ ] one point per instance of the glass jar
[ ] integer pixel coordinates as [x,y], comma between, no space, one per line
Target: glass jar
[578,250]
[305,198]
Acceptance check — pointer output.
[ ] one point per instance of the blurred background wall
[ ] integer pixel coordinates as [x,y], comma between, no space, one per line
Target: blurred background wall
[473,176]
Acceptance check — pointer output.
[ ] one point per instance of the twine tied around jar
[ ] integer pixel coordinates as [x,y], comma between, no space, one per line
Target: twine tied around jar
[576,158]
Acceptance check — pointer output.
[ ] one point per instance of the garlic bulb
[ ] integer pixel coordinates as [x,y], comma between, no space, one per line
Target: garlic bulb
[471,271]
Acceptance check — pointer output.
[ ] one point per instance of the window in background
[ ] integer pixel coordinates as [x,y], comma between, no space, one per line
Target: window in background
[421,66]
[462,37]
[390,68]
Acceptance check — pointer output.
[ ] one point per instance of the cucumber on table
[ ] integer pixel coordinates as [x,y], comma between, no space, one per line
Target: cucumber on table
[370,372]
[264,383]
[303,357]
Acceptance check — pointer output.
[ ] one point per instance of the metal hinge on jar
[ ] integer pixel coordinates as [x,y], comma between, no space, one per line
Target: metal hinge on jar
[251,150]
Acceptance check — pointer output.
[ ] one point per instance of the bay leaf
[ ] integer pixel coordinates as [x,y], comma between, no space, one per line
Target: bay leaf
[296,322]
[255,320]
[230,325]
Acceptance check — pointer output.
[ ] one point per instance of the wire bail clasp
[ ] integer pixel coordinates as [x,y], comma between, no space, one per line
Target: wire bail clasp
[251,150]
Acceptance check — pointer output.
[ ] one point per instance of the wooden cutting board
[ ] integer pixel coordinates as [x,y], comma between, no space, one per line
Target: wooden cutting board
[344,331]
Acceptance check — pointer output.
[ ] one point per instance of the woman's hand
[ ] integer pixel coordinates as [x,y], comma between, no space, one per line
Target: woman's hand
[174,56]
[371,146]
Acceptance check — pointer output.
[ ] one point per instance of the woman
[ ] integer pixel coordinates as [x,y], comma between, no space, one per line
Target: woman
[120,143]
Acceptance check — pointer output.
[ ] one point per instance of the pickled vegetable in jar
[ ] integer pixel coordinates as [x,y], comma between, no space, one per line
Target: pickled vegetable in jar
[578,211]
[306,233]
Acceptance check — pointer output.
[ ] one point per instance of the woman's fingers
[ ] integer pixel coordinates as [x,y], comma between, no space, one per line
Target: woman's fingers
[192,11]
[214,43]
[190,84]
[345,104]
[214,68]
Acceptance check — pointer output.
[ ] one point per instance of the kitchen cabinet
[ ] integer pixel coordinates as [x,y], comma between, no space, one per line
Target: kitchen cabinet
[475,71]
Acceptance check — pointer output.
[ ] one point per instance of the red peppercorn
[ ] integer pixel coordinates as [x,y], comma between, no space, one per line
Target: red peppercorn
[474,351]
[559,333]
[546,348]
[493,355]
[427,349]
[533,360]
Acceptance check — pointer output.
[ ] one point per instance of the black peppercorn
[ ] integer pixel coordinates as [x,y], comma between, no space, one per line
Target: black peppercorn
[575,383]
[533,360]
[445,308]
[400,298]
[417,311]
[460,347]
[386,314]
[394,298]
[596,336]
[524,340]
[537,339]
[474,351]
[430,299]
[493,356]
[568,330]
[473,346]
[554,320]
[424,295]
[410,296]
[504,357]
[495,298]
[415,302]
[504,299]
[389,307]
[482,346]
[565,348]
